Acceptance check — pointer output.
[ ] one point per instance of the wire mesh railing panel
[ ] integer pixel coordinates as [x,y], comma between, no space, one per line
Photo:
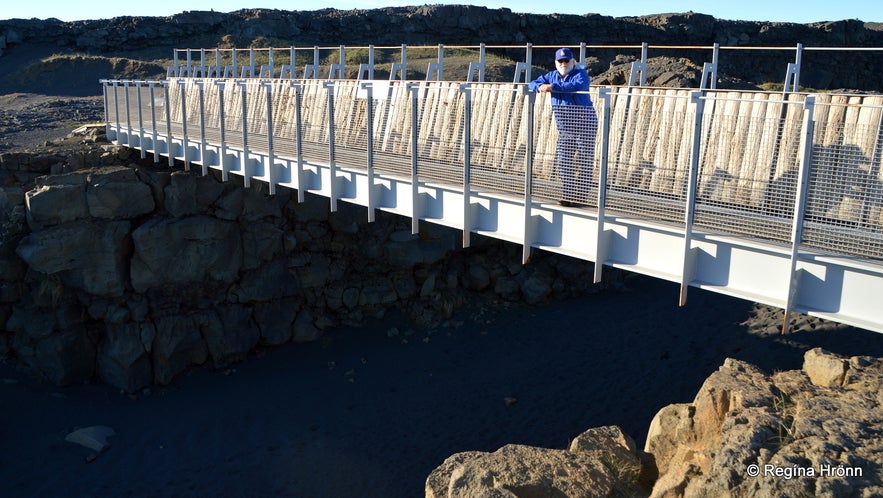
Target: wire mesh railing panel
[565,165]
[748,165]
[350,124]
[845,200]
[649,151]
[314,129]
[749,152]
[440,128]
[498,139]
[284,104]
[392,129]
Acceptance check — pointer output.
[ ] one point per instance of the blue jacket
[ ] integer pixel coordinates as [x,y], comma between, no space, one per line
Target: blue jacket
[575,81]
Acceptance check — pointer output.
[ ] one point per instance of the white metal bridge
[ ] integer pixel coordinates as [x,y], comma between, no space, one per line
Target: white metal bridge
[775,198]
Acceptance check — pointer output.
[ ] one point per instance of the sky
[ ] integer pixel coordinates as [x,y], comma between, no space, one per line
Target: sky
[805,11]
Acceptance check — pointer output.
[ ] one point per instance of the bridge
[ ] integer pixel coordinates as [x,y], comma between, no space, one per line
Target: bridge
[776,198]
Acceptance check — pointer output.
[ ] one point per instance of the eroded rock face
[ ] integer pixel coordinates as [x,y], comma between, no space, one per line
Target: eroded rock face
[809,432]
[798,433]
[600,462]
[133,274]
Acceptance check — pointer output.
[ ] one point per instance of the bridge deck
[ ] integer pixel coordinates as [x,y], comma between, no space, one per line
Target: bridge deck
[745,193]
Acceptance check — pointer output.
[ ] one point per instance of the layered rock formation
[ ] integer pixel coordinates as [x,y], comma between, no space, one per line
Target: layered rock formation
[115,269]
[809,432]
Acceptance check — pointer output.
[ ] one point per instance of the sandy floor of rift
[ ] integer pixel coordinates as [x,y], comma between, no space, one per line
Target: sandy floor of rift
[369,412]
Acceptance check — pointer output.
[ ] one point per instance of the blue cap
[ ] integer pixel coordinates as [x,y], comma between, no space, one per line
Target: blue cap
[563,53]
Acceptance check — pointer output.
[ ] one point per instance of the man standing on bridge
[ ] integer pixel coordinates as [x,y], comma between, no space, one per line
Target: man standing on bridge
[577,125]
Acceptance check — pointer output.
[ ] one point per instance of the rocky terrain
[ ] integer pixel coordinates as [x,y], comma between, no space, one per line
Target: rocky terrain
[29,122]
[99,247]
[35,52]
[808,432]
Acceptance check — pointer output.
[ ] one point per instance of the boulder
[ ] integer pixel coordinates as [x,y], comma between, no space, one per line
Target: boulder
[753,435]
[269,282]
[123,357]
[600,462]
[176,346]
[188,194]
[62,201]
[230,333]
[62,357]
[825,369]
[180,251]
[117,193]
[87,255]
[439,479]
[275,319]
[530,472]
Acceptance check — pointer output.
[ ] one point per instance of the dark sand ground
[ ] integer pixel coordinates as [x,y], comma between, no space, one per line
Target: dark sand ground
[368,413]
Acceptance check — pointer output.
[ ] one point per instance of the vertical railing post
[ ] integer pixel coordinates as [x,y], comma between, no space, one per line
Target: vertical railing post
[804,162]
[332,162]
[184,139]
[482,60]
[714,61]
[222,127]
[603,160]
[168,106]
[530,115]
[404,59]
[467,160]
[128,114]
[415,180]
[243,95]
[106,107]
[339,68]
[528,62]
[792,73]
[140,120]
[298,141]
[202,140]
[441,63]
[151,89]
[697,99]
[369,132]
[271,156]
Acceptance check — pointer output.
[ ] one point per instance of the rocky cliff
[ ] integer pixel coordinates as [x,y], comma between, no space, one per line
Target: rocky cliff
[117,269]
[134,45]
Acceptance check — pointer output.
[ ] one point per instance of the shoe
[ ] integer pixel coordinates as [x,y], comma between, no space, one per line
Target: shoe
[568,203]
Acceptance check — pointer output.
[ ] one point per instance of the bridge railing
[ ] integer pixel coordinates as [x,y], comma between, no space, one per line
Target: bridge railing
[743,163]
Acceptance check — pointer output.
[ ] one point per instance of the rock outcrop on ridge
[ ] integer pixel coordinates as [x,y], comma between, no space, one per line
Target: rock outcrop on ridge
[129,47]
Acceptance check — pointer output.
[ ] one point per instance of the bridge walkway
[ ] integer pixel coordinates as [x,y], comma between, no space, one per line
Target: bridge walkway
[776,199]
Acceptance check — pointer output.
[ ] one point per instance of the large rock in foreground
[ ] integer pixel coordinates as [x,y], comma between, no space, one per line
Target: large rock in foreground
[600,462]
[809,432]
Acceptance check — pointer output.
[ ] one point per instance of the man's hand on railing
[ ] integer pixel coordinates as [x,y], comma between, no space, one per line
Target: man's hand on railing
[544,88]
